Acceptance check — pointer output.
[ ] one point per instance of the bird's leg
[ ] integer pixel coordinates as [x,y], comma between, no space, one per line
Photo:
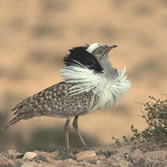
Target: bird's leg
[75,125]
[67,128]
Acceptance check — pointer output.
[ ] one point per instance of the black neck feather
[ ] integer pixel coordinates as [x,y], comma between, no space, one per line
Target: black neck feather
[78,56]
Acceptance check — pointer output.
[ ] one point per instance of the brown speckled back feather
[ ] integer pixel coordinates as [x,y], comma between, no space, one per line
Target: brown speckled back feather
[52,101]
[55,100]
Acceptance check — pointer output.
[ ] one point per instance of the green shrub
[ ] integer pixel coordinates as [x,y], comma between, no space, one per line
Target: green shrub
[155,115]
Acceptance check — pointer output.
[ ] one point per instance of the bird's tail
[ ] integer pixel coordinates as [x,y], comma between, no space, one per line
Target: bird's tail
[10,123]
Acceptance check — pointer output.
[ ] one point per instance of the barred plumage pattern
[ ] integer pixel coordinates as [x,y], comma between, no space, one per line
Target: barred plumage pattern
[53,101]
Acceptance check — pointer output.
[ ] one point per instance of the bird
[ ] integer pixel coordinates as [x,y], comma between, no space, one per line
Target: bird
[90,83]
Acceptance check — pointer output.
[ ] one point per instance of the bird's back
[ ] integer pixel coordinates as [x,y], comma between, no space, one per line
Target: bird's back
[55,101]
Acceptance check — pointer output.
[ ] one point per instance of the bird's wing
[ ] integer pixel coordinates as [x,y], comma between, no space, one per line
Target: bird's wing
[55,101]
[40,100]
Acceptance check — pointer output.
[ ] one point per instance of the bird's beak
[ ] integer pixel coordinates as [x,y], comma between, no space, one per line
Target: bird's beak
[108,49]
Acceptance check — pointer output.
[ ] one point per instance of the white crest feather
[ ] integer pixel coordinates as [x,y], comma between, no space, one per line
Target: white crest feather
[93,46]
[108,90]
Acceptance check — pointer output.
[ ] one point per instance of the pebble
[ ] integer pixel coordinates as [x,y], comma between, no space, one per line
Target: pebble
[4,161]
[86,155]
[29,155]
[156,155]
[29,164]
[13,154]
[69,162]
[137,155]
[124,163]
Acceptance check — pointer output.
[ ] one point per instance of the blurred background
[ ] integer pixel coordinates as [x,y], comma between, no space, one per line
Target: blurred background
[35,35]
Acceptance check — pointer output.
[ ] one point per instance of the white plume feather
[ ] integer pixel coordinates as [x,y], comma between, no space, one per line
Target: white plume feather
[108,90]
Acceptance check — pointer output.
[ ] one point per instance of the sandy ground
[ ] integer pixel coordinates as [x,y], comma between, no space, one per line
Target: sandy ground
[36,35]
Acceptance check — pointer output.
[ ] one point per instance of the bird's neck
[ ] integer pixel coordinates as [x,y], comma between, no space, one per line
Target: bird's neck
[109,71]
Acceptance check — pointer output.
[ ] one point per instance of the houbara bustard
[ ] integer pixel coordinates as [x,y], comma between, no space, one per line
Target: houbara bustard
[90,83]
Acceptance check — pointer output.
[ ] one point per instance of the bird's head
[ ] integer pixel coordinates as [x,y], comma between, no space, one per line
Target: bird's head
[94,57]
[100,51]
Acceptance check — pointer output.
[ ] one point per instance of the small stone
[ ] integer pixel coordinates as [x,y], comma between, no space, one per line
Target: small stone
[4,161]
[137,155]
[98,162]
[101,157]
[29,164]
[156,155]
[110,161]
[30,155]
[13,154]
[86,155]
[124,149]
[117,156]
[123,163]
[69,162]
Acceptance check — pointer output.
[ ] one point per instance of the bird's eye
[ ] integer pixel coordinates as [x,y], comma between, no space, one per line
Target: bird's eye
[101,50]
